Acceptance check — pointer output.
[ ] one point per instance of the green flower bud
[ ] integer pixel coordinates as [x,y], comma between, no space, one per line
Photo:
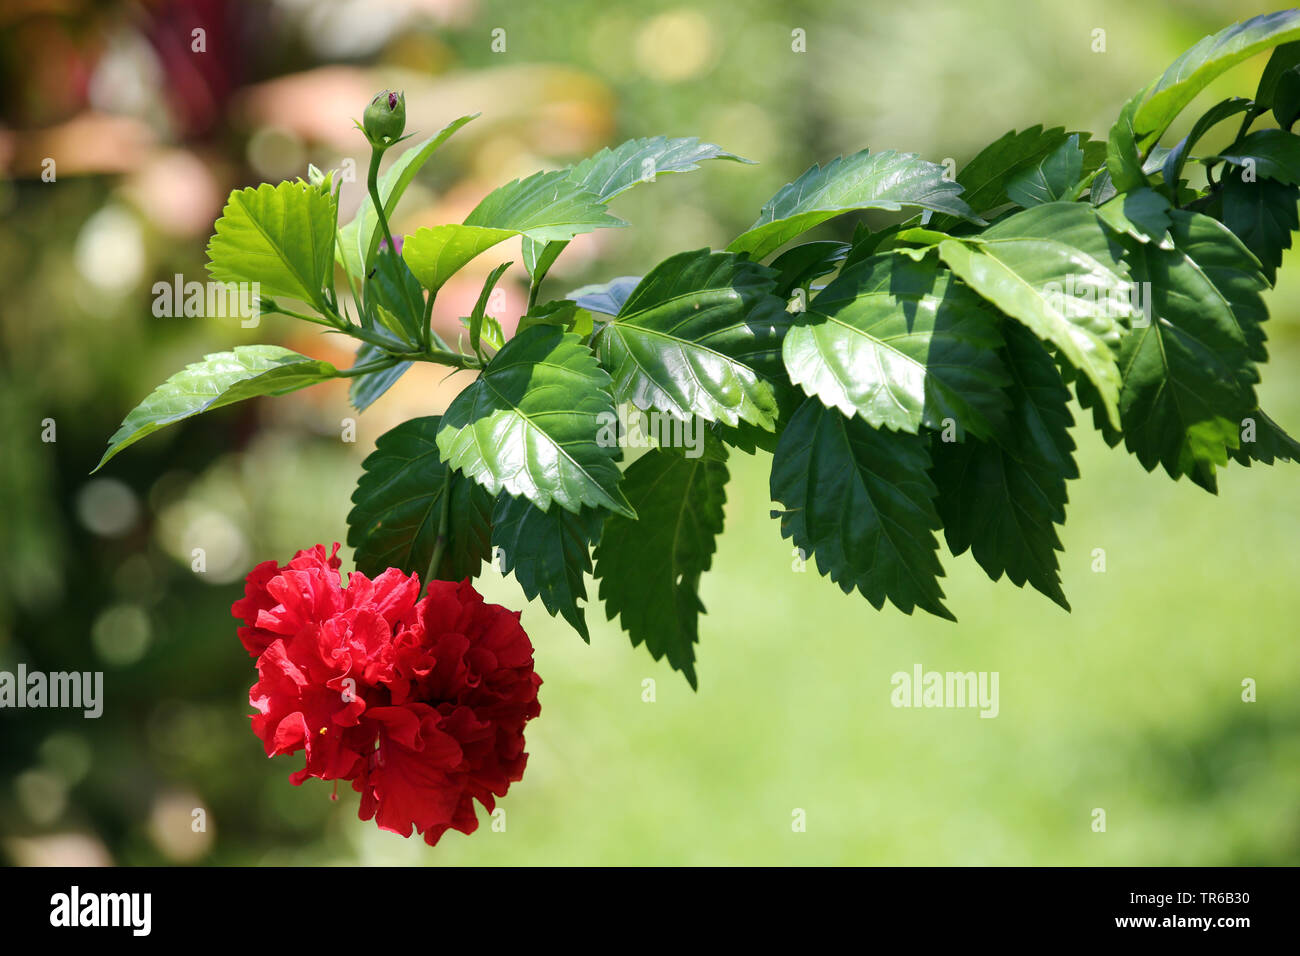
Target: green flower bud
[385,118]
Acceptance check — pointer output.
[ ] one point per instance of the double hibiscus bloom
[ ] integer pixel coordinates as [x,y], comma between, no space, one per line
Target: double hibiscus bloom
[420,702]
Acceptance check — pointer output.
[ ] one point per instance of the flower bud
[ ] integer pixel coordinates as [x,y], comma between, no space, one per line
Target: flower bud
[385,118]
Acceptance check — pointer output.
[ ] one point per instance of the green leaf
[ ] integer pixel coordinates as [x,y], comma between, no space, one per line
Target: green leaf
[1189,376]
[701,334]
[1286,104]
[1123,154]
[529,424]
[1216,114]
[366,389]
[1262,214]
[902,344]
[281,237]
[1284,59]
[1001,498]
[1055,269]
[549,553]
[360,238]
[398,503]
[861,501]
[1274,153]
[1271,442]
[436,253]
[1192,72]
[799,265]
[1050,178]
[393,287]
[563,313]
[480,307]
[985,177]
[886,180]
[1142,214]
[545,207]
[650,569]
[222,378]
[607,298]
[614,171]
[539,256]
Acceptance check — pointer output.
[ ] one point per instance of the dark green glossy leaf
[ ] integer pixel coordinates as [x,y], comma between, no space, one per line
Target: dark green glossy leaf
[529,424]
[902,344]
[397,507]
[798,266]
[549,553]
[1263,215]
[1050,178]
[1273,154]
[1269,442]
[861,502]
[700,335]
[1055,269]
[1142,214]
[1177,157]
[1189,376]
[985,177]
[1002,498]
[650,569]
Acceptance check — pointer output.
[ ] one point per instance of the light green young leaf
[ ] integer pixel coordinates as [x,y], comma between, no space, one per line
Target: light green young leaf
[222,378]
[436,253]
[281,237]
[545,207]
[360,238]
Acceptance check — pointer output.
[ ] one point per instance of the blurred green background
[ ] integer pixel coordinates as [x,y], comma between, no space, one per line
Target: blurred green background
[1131,704]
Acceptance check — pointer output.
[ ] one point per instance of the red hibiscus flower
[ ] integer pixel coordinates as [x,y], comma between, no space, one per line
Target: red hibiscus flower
[419,702]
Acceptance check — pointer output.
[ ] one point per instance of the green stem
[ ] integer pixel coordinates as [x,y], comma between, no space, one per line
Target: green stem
[440,542]
[376,366]
[426,329]
[1079,190]
[314,319]
[372,183]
